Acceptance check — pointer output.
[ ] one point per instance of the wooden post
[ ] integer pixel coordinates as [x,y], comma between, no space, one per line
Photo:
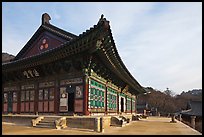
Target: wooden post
[19,101]
[131,105]
[135,104]
[56,97]
[86,93]
[36,98]
[180,118]
[193,121]
[106,91]
[118,103]
[126,104]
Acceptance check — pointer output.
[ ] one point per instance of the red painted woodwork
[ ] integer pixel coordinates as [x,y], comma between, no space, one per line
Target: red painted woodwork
[36,101]
[31,106]
[131,105]
[86,92]
[45,106]
[106,102]
[27,106]
[56,99]
[117,103]
[22,107]
[40,106]
[19,102]
[52,41]
[51,106]
[5,107]
[14,107]
[78,104]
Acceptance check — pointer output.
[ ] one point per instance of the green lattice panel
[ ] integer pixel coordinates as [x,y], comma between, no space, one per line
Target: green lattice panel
[97,95]
[112,99]
[128,104]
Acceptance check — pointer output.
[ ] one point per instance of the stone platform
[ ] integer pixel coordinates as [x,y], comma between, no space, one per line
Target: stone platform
[149,126]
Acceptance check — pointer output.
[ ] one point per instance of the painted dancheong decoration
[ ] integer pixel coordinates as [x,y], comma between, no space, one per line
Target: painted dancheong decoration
[58,72]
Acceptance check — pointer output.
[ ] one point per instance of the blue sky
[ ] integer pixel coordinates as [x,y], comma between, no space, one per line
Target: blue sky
[159,42]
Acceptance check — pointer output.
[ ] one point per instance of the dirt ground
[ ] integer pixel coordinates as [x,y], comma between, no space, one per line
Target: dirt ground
[149,126]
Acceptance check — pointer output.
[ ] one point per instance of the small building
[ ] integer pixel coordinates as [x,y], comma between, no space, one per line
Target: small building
[193,115]
[143,108]
[60,73]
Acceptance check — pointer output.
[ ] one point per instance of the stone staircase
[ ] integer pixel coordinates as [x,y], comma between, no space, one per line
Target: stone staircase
[49,122]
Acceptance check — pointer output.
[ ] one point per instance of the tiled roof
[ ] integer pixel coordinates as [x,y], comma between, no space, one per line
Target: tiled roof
[195,109]
[89,41]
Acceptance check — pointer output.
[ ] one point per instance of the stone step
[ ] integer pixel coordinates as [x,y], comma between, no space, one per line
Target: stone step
[45,126]
[44,123]
[47,121]
[48,118]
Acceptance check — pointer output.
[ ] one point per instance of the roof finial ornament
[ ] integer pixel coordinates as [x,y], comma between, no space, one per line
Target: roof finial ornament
[45,18]
[102,18]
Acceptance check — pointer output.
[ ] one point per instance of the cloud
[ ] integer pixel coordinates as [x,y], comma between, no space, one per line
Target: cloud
[160,43]
[167,49]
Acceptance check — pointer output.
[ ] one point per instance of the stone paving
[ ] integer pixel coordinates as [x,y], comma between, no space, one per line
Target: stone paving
[149,126]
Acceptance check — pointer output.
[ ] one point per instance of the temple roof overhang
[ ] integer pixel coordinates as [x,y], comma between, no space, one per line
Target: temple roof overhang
[97,40]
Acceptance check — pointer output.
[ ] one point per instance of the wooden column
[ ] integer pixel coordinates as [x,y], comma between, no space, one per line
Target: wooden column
[2,89]
[131,105]
[86,93]
[106,91]
[118,103]
[19,101]
[56,97]
[36,98]
[126,104]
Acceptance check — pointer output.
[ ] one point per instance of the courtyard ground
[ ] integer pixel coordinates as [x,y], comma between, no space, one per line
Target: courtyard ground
[149,126]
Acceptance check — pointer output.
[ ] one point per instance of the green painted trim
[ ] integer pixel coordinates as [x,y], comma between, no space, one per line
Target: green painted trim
[122,94]
[112,90]
[97,84]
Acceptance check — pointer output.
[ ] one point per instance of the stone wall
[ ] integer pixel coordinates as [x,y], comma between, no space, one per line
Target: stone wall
[19,120]
[84,123]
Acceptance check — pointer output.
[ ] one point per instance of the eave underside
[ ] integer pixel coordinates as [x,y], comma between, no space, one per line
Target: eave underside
[99,41]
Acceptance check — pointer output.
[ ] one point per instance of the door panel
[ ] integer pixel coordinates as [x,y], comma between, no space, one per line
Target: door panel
[40,106]
[45,106]
[22,107]
[14,107]
[51,106]
[5,107]
[71,102]
[31,106]
[122,104]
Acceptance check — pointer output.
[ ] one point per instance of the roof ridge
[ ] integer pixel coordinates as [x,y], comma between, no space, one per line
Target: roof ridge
[50,50]
[57,29]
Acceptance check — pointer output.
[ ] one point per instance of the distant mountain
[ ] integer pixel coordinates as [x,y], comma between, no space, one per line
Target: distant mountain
[195,92]
[7,57]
